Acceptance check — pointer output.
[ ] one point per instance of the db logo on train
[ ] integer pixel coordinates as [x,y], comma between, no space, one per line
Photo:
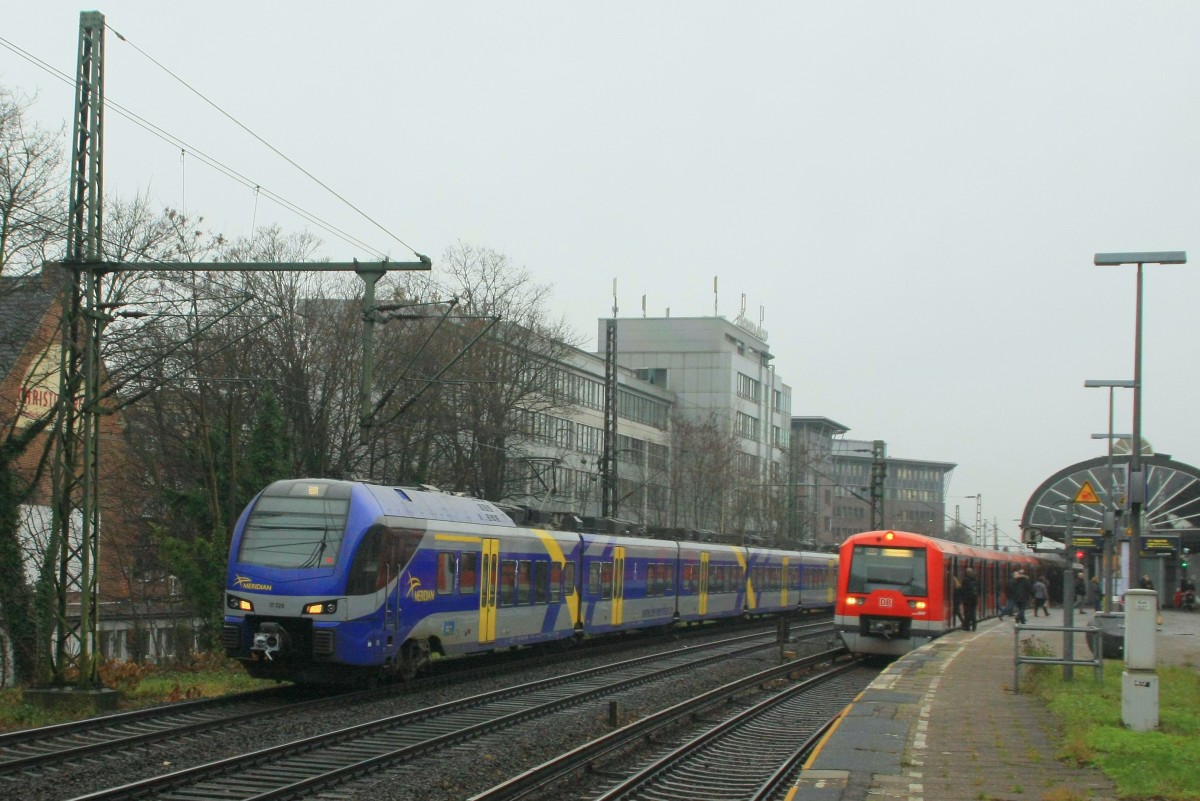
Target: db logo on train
[885,601]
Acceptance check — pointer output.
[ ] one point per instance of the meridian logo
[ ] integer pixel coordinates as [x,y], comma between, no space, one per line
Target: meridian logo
[416,593]
[247,583]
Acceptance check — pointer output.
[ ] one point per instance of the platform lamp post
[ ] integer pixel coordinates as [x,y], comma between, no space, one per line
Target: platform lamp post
[1105,569]
[1137,482]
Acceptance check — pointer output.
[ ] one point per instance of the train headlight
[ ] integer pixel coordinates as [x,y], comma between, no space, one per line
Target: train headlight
[321,608]
[241,604]
[852,601]
[916,604]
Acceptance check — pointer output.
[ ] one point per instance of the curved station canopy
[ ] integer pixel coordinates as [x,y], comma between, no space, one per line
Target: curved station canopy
[1171,509]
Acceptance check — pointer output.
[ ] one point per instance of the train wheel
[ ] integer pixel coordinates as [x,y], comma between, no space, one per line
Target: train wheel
[412,657]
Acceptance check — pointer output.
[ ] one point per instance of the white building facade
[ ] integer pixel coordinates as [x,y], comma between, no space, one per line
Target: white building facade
[720,375]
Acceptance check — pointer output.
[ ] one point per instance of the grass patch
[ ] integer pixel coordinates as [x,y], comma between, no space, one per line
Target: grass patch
[1157,764]
[141,686]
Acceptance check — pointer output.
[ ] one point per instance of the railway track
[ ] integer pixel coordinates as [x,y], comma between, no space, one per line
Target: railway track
[306,766]
[31,751]
[751,755]
[31,748]
[718,746]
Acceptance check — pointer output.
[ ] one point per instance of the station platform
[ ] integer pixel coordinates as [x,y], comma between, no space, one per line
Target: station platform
[943,723]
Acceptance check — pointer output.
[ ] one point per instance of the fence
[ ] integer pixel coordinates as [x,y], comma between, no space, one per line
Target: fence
[1096,662]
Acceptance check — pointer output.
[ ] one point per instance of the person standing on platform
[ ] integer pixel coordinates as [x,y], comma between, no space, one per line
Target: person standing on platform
[1040,596]
[1094,594]
[1080,591]
[968,594]
[1020,591]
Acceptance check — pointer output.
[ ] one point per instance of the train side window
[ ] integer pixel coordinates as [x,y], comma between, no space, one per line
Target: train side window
[568,578]
[691,578]
[606,580]
[653,582]
[508,579]
[541,582]
[445,572]
[382,554]
[669,578]
[556,582]
[468,568]
[524,582]
[593,578]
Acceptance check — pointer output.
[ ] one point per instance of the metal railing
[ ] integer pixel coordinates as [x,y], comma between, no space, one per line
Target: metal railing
[1094,642]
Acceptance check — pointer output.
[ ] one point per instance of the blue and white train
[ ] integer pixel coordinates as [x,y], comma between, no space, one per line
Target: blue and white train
[342,581]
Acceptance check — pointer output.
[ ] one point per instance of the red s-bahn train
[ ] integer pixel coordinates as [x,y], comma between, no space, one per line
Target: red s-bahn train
[895,588]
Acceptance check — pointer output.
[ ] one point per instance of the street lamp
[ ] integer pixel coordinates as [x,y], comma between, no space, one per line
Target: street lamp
[1105,569]
[1137,482]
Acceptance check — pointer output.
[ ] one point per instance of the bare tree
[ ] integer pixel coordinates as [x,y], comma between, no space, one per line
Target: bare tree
[32,219]
[32,189]
[483,356]
[703,473]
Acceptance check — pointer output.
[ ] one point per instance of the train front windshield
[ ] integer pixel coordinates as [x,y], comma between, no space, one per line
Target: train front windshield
[882,568]
[294,532]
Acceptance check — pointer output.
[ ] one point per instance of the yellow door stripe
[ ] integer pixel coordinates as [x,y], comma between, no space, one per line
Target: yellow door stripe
[786,581]
[618,600]
[489,580]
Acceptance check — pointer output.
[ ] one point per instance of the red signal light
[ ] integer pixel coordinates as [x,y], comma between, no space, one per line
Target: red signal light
[1079,556]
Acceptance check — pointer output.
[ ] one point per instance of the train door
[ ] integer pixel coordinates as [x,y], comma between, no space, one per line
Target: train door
[618,591]
[703,583]
[949,592]
[489,579]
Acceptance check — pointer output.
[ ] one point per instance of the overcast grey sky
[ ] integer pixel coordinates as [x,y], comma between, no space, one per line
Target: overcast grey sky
[912,192]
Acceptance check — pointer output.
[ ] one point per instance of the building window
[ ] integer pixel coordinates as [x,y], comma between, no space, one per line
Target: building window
[653,375]
[747,426]
[747,387]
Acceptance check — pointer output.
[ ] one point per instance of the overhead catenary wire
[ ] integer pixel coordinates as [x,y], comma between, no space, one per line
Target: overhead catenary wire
[262,141]
[210,161]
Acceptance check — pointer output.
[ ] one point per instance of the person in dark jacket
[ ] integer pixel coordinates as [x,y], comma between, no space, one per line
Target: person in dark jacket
[1041,597]
[968,596]
[1020,592]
